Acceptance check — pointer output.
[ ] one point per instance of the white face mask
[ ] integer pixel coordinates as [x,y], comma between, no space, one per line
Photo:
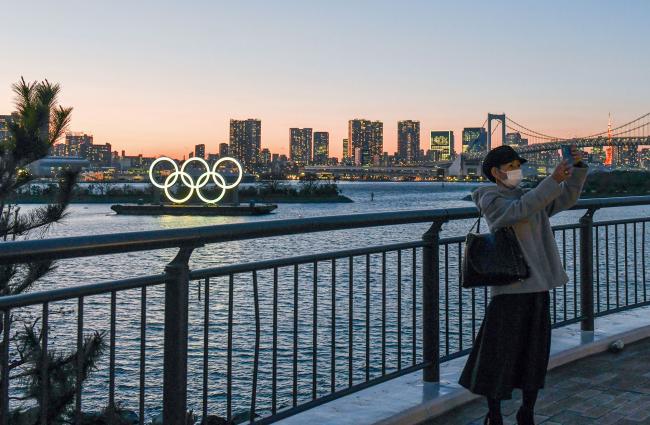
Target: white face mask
[513,179]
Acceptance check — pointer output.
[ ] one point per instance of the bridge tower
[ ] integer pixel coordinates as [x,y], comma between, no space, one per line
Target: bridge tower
[502,119]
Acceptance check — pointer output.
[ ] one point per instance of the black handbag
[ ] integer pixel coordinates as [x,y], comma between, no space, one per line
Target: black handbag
[492,259]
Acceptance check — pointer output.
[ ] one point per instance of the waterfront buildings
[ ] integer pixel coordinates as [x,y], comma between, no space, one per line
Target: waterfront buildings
[321,147]
[474,140]
[199,151]
[442,145]
[245,141]
[365,141]
[408,141]
[300,145]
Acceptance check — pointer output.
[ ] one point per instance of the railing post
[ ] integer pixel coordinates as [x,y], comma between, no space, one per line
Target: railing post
[430,303]
[586,270]
[175,355]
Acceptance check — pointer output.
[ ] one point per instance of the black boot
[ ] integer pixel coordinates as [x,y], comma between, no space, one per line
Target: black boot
[525,416]
[493,420]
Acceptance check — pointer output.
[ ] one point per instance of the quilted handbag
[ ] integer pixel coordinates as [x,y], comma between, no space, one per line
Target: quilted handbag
[492,259]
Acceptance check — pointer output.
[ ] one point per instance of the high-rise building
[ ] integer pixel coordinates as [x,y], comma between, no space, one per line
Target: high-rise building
[77,144]
[199,151]
[100,155]
[408,140]
[321,147]
[474,140]
[345,155]
[265,156]
[513,139]
[368,137]
[300,142]
[442,145]
[4,126]
[245,141]
[223,150]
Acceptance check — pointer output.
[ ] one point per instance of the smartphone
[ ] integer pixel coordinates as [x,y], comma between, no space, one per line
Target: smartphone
[566,154]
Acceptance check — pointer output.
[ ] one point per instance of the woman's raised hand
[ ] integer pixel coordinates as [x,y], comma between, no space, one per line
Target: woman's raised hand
[562,171]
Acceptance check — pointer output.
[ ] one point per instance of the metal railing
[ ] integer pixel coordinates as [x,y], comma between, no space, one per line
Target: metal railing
[322,340]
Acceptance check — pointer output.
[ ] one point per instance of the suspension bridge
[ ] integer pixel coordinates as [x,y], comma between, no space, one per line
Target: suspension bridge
[632,134]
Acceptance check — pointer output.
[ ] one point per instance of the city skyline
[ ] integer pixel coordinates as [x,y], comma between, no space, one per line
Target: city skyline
[174,75]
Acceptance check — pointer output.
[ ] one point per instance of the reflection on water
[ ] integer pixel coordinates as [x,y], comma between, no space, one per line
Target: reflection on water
[333,302]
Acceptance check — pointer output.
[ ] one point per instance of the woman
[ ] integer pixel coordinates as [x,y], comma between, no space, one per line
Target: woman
[512,347]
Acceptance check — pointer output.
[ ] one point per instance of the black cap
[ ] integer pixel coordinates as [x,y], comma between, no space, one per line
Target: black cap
[499,156]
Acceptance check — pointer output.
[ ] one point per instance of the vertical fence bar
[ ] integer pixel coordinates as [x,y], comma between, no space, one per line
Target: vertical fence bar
[367,317]
[333,344]
[4,363]
[430,303]
[314,352]
[206,345]
[596,230]
[564,297]
[111,363]
[607,265]
[295,336]
[575,273]
[636,282]
[447,299]
[256,358]
[383,313]
[586,271]
[399,309]
[175,344]
[625,264]
[274,366]
[80,359]
[143,334]
[618,289]
[350,320]
[45,375]
[413,306]
[645,297]
[231,290]
[460,300]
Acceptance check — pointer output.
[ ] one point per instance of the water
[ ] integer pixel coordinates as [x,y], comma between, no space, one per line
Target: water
[388,196]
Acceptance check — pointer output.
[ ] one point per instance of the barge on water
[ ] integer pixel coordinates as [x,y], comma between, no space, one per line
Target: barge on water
[203,210]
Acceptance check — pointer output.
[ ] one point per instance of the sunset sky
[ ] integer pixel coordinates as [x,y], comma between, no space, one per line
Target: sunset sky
[157,77]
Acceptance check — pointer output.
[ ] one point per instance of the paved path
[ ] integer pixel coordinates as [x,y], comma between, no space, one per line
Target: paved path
[603,389]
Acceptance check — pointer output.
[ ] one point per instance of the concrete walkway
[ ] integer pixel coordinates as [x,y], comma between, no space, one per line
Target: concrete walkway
[602,389]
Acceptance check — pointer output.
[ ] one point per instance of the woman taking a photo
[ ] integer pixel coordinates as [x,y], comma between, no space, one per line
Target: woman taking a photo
[512,346]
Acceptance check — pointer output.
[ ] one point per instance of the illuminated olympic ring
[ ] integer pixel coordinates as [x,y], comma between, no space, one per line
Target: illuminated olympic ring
[188,181]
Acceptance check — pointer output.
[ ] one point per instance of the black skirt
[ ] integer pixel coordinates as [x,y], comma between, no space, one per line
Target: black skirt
[512,346]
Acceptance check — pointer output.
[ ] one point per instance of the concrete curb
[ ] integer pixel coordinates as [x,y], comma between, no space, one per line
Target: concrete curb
[430,409]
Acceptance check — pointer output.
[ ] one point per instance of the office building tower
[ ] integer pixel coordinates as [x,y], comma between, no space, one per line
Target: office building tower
[513,139]
[4,125]
[199,151]
[223,150]
[321,147]
[245,141]
[265,156]
[77,144]
[474,140]
[442,145]
[368,137]
[408,140]
[300,142]
[345,155]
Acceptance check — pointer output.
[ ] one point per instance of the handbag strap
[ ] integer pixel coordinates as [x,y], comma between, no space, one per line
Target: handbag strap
[477,223]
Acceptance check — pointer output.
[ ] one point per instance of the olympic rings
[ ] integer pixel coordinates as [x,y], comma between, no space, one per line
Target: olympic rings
[188,181]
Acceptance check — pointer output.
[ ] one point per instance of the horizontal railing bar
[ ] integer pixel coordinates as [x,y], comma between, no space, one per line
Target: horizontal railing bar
[85,246]
[22,300]
[303,259]
[621,221]
[622,308]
